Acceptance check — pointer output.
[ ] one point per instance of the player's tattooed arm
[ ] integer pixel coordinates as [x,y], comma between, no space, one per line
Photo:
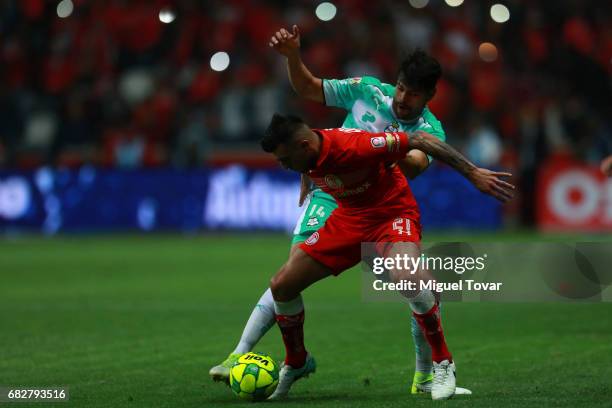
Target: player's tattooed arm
[440,150]
[487,181]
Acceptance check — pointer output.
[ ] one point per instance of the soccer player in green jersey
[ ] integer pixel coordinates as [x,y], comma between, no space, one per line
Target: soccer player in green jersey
[376,107]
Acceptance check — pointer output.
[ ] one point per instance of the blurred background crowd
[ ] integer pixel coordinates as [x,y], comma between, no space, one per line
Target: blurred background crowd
[129,83]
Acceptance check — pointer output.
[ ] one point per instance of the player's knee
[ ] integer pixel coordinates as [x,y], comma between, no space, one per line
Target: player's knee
[278,284]
[282,286]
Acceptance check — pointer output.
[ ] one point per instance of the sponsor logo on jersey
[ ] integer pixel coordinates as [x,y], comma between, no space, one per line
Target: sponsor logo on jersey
[378,141]
[368,117]
[312,239]
[355,81]
[333,181]
[354,191]
[312,221]
[392,127]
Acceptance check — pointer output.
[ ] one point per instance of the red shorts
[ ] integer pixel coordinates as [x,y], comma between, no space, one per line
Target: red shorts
[337,245]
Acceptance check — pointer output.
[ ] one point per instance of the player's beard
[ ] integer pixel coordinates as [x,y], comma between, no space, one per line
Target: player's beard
[403,112]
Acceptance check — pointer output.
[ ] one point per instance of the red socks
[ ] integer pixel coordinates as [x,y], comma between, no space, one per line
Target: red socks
[432,329]
[292,329]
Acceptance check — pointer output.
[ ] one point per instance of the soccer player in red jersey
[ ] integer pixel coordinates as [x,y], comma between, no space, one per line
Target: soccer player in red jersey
[376,107]
[374,199]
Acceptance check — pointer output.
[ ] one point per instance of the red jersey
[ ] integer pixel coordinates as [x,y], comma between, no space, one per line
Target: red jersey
[353,168]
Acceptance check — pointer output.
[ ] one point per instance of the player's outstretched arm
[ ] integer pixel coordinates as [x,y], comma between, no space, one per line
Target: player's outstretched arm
[487,181]
[303,82]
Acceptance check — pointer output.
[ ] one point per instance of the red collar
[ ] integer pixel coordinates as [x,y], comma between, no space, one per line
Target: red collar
[325,146]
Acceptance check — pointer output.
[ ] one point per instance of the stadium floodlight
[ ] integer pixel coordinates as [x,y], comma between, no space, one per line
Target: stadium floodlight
[166,16]
[500,13]
[418,3]
[454,3]
[220,61]
[325,11]
[64,8]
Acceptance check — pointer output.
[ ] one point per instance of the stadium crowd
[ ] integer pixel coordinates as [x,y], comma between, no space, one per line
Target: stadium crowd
[112,85]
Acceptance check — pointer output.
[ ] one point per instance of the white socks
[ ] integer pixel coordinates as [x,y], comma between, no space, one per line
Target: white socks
[260,321]
[423,302]
[262,318]
[420,304]
[422,350]
[290,308]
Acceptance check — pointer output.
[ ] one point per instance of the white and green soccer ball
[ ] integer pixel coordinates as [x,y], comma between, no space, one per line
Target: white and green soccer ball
[254,376]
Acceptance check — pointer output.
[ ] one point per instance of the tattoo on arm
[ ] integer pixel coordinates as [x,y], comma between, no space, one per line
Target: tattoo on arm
[441,151]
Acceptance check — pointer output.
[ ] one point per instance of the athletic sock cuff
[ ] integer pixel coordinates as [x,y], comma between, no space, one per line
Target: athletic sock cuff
[290,308]
[430,312]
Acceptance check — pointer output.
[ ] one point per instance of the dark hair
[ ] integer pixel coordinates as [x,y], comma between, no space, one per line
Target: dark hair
[280,130]
[420,71]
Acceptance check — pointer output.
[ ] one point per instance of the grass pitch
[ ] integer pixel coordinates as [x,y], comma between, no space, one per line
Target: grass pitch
[127,321]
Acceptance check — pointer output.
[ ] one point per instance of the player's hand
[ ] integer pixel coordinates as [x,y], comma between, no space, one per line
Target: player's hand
[285,42]
[304,189]
[606,166]
[490,182]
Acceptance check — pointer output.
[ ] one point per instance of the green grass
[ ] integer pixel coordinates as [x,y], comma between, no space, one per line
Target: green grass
[137,321]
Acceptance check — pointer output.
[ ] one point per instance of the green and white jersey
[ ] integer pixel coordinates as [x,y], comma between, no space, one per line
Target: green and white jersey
[368,102]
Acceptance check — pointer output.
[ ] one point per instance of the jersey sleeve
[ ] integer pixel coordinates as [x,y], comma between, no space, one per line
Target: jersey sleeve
[361,146]
[343,93]
[433,127]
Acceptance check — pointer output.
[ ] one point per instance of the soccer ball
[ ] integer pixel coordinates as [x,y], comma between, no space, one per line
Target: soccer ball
[254,376]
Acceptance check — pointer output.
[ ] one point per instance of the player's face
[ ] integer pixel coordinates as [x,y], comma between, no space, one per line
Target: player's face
[296,156]
[408,103]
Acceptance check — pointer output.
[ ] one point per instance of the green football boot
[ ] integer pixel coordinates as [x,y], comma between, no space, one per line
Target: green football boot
[221,372]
